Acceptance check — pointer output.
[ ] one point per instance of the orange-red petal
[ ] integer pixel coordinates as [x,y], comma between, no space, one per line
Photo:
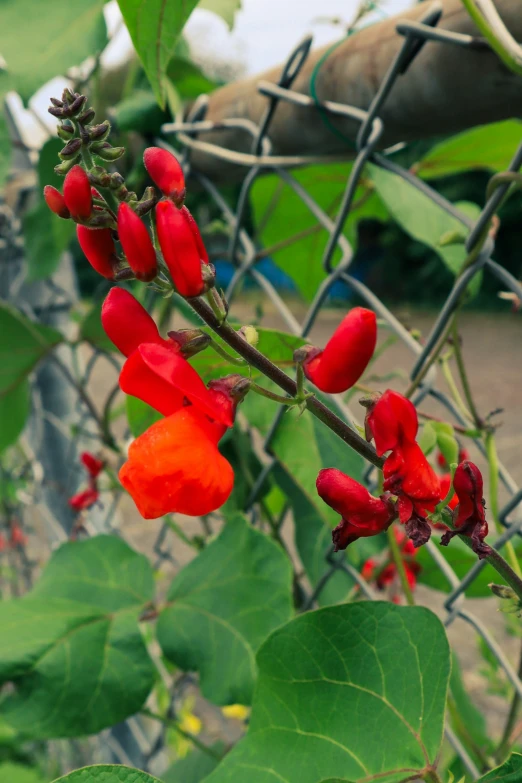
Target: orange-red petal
[141,382]
[127,324]
[175,467]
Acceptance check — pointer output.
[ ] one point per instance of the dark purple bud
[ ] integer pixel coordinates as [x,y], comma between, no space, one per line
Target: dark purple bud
[56,111]
[87,116]
[56,102]
[71,149]
[100,132]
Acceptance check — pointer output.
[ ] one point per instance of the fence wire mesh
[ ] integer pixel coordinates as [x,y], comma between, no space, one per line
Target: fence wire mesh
[48,484]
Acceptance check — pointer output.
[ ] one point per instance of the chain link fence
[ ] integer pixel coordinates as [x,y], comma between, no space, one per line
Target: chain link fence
[47,461]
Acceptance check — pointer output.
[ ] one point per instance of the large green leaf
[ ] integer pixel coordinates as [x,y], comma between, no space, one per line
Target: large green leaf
[461,559]
[354,692]
[155,26]
[22,345]
[467,720]
[52,37]
[222,606]
[14,410]
[486,147]
[509,772]
[72,646]
[285,223]
[19,773]
[193,768]
[107,773]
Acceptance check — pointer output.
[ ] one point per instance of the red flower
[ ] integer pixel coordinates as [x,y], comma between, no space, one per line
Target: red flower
[392,421]
[99,249]
[180,248]
[346,355]
[368,569]
[362,514]
[175,466]
[92,464]
[3,543]
[470,514]
[85,499]
[136,244]
[197,236]
[56,202]
[165,171]
[17,537]
[77,193]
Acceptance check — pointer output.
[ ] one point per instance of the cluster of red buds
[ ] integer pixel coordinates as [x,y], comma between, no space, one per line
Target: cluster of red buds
[89,496]
[16,539]
[382,572]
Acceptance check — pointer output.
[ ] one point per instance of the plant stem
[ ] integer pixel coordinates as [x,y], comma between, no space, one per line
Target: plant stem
[446,371]
[399,565]
[431,776]
[505,743]
[173,724]
[271,396]
[275,374]
[228,356]
[432,359]
[179,533]
[464,377]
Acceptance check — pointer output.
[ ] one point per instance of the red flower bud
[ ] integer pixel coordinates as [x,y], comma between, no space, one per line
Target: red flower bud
[197,235]
[77,193]
[100,251]
[470,515]
[363,515]
[368,569]
[92,464]
[56,202]
[136,244]
[391,420]
[84,500]
[165,171]
[175,467]
[17,537]
[179,248]
[346,355]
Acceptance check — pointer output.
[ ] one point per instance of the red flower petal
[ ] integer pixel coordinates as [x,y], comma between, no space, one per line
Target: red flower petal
[127,324]
[99,249]
[175,467]
[137,244]
[391,420]
[346,354]
[137,379]
[77,193]
[92,464]
[178,373]
[179,248]
[197,235]
[165,171]
[56,202]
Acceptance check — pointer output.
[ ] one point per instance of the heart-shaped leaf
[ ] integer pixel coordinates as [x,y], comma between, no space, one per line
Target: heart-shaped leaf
[222,606]
[72,647]
[107,773]
[353,692]
[509,772]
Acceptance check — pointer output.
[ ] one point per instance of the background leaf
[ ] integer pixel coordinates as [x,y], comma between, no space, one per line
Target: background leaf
[486,147]
[327,679]
[107,773]
[509,772]
[53,37]
[20,773]
[23,344]
[226,9]
[74,651]
[14,410]
[155,26]
[222,606]
[193,768]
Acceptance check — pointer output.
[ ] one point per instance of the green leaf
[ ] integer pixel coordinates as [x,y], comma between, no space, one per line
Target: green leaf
[468,722]
[222,606]
[509,772]
[5,145]
[19,773]
[194,767]
[428,438]
[420,217]
[23,344]
[140,416]
[62,33]
[107,773]
[92,331]
[327,680]
[155,26]
[461,559]
[486,147]
[280,215]
[187,78]
[14,410]
[140,113]
[74,651]
[226,9]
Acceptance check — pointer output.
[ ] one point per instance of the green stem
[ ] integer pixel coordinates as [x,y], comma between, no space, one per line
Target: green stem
[464,377]
[431,776]
[237,360]
[491,451]
[448,376]
[179,533]
[486,18]
[432,359]
[173,724]
[399,565]
[271,395]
